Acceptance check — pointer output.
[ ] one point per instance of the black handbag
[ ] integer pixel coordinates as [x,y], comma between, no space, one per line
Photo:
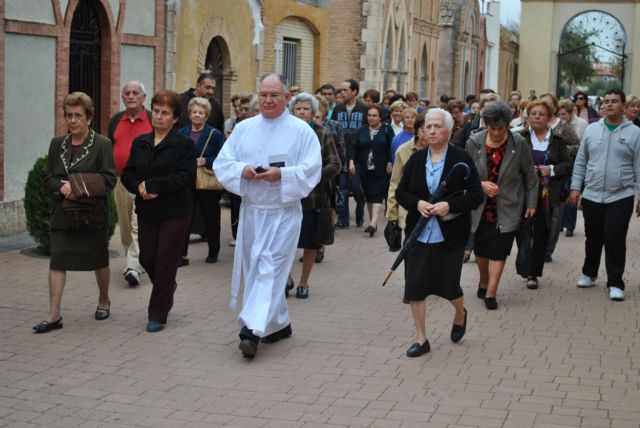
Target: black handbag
[393,236]
[524,240]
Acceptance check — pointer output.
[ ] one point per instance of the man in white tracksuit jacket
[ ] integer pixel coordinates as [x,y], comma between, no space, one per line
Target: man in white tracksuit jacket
[606,170]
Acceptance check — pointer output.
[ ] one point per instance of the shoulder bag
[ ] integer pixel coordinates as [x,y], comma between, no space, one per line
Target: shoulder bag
[206,177]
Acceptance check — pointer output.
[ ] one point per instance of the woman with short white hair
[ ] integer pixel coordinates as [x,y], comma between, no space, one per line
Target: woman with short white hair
[208,142]
[434,262]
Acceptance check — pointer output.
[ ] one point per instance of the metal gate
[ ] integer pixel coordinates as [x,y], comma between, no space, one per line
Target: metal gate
[290,61]
[84,55]
[214,62]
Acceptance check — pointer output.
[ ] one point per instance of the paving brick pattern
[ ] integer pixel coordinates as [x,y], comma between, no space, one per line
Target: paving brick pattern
[556,356]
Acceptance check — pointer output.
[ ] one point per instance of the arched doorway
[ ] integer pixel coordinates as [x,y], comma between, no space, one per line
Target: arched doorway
[592,54]
[216,63]
[85,55]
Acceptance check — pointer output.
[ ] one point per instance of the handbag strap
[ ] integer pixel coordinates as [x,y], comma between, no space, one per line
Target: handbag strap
[206,144]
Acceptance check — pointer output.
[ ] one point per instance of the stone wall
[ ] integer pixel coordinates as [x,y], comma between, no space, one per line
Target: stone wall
[12,219]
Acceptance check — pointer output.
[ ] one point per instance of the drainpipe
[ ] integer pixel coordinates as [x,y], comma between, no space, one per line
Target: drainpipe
[258,37]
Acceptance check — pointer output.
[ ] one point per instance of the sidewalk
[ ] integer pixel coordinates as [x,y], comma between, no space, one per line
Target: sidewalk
[556,356]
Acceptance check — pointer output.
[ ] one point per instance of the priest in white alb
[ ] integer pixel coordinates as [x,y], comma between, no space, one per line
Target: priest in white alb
[271,161]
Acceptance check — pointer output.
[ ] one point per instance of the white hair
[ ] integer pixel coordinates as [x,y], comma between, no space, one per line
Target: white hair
[134,82]
[448,119]
[304,97]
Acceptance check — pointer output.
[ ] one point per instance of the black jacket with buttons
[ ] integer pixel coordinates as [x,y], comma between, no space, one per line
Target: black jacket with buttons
[168,169]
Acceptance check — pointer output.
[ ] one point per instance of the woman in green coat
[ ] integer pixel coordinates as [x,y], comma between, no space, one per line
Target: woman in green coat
[80,151]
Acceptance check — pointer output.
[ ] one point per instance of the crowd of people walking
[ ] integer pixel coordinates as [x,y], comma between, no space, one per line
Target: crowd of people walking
[466,177]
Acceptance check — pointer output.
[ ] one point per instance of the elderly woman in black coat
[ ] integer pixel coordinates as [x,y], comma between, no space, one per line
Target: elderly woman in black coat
[434,263]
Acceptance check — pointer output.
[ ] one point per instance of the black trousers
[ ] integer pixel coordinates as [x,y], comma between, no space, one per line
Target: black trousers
[606,224]
[540,240]
[160,243]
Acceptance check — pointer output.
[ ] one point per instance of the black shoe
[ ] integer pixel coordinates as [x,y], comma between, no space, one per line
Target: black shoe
[532,283]
[371,230]
[482,292]
[45,326]
[248,343]
[417,349]
[102,314]
[457,331]
[288,287]
[491,303]
[359,223]
[211,259]
[568,233]
[341,226]
[302,292]
[132,277]
[548,259]
[406,301]
[319,255]
[278,335]
[183,262]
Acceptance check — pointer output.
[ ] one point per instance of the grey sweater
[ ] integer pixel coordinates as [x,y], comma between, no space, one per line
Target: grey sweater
[608,162]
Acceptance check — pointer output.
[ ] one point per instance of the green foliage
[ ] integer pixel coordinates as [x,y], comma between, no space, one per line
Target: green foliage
[599,86]
[577,56]
[39,205]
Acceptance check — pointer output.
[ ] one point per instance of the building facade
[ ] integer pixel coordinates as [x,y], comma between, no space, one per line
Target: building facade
[51,48]
[458,47]
[508,70]
[541,29]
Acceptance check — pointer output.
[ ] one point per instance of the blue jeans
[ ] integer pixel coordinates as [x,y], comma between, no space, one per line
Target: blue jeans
[353,183]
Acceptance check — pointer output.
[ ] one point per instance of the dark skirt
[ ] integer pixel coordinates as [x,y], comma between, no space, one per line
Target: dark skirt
[83,250]
[433,269]
[491,243]
[309,230]
[375,188]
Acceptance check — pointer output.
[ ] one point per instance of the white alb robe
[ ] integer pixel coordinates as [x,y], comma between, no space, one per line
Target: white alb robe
[270,214]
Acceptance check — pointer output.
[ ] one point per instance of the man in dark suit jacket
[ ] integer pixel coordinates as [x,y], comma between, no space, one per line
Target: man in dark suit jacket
[205,88]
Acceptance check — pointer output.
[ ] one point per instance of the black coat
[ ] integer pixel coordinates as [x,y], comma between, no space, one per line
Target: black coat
[466,132]
[558,156]
[413,188]
[168,169]
[380,146]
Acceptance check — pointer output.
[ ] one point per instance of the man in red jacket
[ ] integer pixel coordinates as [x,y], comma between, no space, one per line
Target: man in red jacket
[124,127]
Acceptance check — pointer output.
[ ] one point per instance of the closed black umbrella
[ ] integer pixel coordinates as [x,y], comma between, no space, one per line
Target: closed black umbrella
[422,221]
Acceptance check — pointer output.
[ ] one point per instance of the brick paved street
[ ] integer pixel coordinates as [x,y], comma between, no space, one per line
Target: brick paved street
[556,356]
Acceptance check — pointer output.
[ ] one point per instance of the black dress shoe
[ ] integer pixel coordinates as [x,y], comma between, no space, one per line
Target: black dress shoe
[45,326]
[248,347]
[211,259]
[457,331]
[371,230]
[102,314]
[359,223]
[288,287]
[482,292]
[417,349]
[302,292]
[491,303]
[548,259]
[341,226]
[183,262]
[278,335]
[320,255]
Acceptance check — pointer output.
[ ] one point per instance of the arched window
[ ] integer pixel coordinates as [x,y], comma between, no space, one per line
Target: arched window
[424,65]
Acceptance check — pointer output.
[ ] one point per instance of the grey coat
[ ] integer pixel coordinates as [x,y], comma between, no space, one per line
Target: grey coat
[517,180]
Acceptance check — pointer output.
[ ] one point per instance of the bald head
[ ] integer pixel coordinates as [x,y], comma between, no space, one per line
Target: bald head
[273,96]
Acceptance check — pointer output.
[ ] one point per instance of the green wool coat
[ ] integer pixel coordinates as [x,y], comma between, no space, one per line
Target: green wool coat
[95,155]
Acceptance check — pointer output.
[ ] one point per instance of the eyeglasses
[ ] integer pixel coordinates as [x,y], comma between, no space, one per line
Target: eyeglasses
[73,116]
[274,96]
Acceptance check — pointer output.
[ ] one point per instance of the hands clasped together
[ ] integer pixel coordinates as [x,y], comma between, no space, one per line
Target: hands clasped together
[427,210]
[270,174]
